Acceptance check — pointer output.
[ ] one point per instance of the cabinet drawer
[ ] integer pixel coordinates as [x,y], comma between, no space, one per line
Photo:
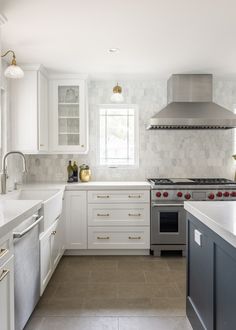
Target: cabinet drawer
[119,238]
[119,214]
[6,248]
[119,196]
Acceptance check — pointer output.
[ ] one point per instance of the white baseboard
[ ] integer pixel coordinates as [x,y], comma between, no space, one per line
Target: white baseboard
[107,252]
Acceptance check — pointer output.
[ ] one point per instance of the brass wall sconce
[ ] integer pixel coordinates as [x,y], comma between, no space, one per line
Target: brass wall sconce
[117,96]
[13,71]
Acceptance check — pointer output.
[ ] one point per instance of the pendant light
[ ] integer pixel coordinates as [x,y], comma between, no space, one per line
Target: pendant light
[117,96]
[13,71]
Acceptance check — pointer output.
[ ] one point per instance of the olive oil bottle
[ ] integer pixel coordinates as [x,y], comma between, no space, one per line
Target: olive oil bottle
[70,172]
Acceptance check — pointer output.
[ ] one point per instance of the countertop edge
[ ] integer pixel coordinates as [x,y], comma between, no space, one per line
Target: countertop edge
[210,223]
[92,185]
[16,221]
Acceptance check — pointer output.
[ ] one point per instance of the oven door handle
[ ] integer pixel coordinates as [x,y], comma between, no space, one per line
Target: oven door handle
[172,205]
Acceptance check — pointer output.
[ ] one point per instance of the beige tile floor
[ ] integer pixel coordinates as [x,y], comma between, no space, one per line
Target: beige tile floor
[114,293]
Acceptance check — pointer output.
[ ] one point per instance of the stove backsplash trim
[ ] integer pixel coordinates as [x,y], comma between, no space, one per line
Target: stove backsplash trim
[182,153]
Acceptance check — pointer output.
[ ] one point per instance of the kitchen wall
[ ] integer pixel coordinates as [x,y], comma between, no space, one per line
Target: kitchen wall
[183,153]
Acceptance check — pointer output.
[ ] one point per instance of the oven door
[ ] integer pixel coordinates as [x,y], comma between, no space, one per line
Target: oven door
[168,223]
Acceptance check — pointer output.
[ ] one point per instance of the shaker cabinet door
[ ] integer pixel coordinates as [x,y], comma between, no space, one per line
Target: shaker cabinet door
[200,274]
[76,219]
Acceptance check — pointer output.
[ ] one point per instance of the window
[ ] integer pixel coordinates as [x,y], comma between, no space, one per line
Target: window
[118,135]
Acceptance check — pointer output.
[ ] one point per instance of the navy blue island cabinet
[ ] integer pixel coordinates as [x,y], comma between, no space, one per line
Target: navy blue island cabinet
[211,278]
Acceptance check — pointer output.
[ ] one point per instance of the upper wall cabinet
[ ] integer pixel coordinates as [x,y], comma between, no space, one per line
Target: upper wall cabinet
[29,111]
[68,115]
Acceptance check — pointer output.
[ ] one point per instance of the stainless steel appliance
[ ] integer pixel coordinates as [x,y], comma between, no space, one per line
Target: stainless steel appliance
[27,271]
[190,105]
[168,217]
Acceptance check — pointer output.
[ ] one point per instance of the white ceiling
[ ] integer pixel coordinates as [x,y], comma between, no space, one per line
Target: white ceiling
[155,37]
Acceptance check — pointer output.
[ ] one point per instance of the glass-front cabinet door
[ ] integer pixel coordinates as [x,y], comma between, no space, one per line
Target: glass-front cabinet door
[69,116]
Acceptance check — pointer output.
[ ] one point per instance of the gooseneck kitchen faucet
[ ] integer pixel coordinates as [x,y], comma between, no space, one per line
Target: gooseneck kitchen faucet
[4,169]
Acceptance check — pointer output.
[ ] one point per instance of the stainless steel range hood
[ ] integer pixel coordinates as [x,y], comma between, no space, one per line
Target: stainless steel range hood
[190,105]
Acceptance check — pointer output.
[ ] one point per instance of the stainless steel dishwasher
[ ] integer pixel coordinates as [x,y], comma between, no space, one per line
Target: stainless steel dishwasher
[27,269]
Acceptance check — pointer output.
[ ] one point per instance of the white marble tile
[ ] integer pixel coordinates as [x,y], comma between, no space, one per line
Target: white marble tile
[162,153]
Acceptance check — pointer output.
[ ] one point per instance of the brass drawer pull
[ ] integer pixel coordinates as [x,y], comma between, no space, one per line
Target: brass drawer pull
[103,214]
[134,215]
[99,237]
[3,252]
[54,232]
[103,196]
[138,237]
[134,196]
[4,274]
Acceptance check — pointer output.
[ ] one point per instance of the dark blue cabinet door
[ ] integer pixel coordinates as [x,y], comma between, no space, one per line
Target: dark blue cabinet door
[225,289]
[200,276]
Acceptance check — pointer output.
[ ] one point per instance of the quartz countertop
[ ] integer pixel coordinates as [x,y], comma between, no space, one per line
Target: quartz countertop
[218,216]
[13,212]
[91,185]
[102,185]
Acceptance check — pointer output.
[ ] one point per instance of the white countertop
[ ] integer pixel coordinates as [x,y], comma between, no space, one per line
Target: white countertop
[91,185]
[13,212]
[218,216]
[103,185]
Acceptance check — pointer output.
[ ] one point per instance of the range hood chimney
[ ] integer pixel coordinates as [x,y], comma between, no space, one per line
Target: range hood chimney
[190,105]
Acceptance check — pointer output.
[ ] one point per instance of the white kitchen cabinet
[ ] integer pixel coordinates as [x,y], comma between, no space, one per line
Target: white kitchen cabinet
[7,295]
[76,219]
[119,237]
[119,196]
[119,219]
[51,250]
[119,214]
[68,104]
[29,111]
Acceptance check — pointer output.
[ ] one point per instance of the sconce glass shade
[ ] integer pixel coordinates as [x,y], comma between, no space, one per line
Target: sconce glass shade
[14,72]
[117,96]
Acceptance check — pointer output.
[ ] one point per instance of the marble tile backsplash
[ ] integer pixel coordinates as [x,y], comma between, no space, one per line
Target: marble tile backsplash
[183,153]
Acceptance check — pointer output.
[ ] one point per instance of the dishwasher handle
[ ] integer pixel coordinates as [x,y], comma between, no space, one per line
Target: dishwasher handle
[25,231]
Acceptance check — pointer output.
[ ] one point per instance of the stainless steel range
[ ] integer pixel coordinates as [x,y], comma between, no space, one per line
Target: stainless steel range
[168,217]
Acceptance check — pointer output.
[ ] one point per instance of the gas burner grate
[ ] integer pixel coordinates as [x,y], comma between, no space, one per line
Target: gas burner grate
[191,181]
[160,181]
[206,181]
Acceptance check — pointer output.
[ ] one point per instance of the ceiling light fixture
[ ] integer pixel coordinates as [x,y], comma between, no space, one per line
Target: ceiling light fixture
[113,50]
[117,94]
[13,71]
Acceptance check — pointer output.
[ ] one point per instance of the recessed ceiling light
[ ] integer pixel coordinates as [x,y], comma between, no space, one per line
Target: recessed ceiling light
[113,50]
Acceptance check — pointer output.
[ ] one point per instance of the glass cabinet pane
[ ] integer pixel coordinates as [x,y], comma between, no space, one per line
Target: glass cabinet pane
[68,94]
[68,115]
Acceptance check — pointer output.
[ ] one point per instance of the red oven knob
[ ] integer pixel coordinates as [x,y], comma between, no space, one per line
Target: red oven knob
[219,194]
[233,194]
[211,196]
[226,194]
[179,194]
[165,194]
[187,196]
[158,194]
